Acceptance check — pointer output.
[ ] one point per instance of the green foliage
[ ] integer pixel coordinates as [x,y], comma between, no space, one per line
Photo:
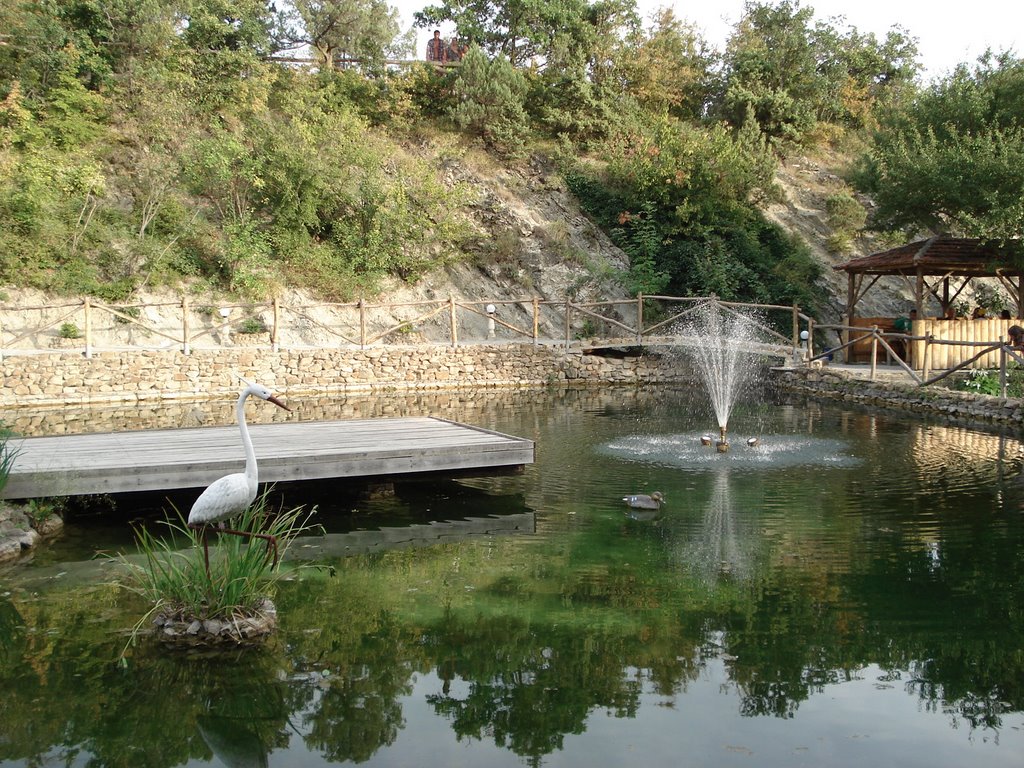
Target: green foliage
[792,74]
[252,325]
[668,69]
[679,200]
[489,102]
[642,240]
[846,218]
[986,382]
[953,161]
[241,570]
[8,454]
[69,331]
[348,29]
[518,30]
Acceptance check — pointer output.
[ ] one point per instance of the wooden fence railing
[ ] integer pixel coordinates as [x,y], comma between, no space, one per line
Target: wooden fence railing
[89,325]
[925,357]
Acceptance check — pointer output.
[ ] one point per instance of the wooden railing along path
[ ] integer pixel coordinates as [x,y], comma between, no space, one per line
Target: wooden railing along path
[89,325]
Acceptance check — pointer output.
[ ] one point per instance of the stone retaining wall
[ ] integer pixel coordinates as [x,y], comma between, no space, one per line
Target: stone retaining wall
[135,376]
[848,386]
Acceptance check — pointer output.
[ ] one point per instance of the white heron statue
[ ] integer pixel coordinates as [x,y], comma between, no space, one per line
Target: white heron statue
[232,494]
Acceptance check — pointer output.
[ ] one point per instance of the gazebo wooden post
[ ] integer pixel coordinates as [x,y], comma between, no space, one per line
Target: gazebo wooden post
[1020,297]
[851,305]
[919,293]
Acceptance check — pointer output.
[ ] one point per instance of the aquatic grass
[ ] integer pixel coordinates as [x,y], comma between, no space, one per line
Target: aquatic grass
[8,455]
[172,573]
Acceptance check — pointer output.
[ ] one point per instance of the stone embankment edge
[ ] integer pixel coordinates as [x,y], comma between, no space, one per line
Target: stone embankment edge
[155,375]
[852,387]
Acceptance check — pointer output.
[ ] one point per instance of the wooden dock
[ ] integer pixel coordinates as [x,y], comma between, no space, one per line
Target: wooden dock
[151,460]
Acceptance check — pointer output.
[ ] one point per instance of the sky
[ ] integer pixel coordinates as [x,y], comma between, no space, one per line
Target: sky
[947,32]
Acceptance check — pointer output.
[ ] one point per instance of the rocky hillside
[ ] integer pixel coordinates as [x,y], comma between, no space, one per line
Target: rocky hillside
[531,239]
[806,182]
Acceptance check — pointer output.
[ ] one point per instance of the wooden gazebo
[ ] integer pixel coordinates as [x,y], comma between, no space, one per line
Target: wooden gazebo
[941,266]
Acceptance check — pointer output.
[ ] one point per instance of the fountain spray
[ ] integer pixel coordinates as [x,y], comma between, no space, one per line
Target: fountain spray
[721,339]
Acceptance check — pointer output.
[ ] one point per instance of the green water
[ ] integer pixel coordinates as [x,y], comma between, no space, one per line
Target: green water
[847,593]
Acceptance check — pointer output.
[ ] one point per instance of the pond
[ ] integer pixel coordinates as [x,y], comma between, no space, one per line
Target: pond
[847,592]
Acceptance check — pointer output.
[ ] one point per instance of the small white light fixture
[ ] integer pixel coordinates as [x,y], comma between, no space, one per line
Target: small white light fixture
[225,312]
[804,335]
[490,309]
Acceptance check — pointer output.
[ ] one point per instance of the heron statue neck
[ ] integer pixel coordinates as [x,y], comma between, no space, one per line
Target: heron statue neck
[251,473]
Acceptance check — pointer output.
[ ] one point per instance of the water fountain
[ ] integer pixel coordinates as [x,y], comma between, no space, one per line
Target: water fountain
[720,348]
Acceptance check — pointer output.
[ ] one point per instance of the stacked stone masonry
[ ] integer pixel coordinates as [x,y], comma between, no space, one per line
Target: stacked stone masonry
[138,376]
[852,387]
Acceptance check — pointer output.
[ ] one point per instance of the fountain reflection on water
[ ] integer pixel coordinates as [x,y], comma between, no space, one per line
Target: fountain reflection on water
[720,551]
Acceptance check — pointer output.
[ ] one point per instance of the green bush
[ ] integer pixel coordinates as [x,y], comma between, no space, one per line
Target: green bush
[986,382]
[252,325]
[69,331]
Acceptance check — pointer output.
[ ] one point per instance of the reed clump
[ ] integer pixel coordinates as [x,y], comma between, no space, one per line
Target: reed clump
[230,603]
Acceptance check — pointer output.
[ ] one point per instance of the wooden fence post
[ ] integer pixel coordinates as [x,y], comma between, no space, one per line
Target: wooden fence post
[639,319]
[451,312]
[88,327]
[536,320]
[277,321]
[927,362]
[874,350]
[568,309]
[185,346]
[1002,372]
[796,326]
[362,323]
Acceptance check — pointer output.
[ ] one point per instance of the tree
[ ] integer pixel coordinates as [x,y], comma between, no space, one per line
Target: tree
[489,101]
[355,29]
[771,70]
[520,30]
[953,161]
[667,69]
[794,74]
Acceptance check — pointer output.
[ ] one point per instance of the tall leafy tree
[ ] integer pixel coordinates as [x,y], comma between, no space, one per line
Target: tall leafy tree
[792,73]
[771,69]
[953,161]
[520,30]
[352,29]
[668,69]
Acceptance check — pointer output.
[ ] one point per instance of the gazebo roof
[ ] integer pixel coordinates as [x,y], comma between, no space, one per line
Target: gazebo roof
[947,256]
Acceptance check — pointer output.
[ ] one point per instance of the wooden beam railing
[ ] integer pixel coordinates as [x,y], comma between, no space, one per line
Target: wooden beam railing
[362,324]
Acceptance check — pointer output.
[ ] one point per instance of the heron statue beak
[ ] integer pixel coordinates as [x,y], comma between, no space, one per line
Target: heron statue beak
[273,399]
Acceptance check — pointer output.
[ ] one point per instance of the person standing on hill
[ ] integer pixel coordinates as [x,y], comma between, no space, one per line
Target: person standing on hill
[436,48]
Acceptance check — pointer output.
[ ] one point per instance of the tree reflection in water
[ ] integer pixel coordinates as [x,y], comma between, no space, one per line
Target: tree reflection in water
[774,586]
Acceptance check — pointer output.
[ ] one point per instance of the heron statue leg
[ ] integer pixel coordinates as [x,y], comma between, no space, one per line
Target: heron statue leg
[271,541]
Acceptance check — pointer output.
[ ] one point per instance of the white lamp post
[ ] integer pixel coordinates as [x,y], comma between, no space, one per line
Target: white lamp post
[490,309]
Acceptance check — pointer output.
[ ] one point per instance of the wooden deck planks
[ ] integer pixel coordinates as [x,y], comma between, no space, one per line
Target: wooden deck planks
[118,462]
